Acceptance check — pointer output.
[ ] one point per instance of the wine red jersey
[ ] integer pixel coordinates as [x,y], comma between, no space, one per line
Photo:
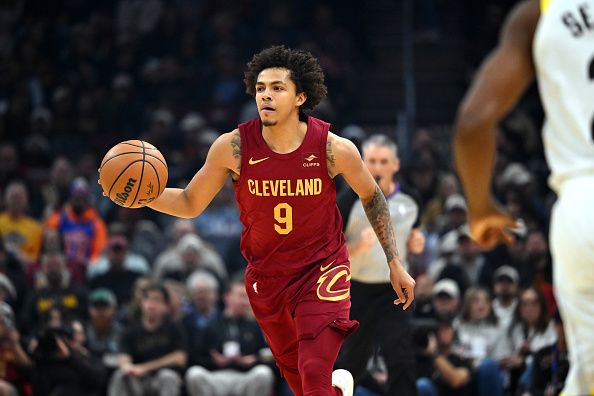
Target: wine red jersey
[287,203]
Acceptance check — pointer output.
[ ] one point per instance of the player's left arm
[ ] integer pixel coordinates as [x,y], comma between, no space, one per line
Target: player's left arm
[343,158]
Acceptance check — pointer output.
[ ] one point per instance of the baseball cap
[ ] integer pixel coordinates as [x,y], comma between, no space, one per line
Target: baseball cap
[506,271]
[449,243]
[102,296]
[516,174]
[455,201]
[446,286]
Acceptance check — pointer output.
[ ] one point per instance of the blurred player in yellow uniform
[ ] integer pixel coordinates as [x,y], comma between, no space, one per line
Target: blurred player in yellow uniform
[554,41]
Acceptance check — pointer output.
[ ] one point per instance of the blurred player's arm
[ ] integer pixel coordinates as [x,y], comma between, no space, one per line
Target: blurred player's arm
[223,159]
[500,82]
[343,158]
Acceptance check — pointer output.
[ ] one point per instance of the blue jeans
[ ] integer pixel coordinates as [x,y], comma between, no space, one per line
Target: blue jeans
[489,379]
[361,391]
[425,387]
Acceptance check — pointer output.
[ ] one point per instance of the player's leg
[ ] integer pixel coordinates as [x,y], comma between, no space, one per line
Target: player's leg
[572,247]
[316,360]
[274,317]
[358,348]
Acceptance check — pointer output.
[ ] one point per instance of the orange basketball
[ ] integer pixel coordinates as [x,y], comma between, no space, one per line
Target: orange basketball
[133,173]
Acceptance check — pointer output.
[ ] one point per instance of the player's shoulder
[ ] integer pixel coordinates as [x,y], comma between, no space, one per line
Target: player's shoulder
[340,145]
[226,150]
[341,154]
[227,139]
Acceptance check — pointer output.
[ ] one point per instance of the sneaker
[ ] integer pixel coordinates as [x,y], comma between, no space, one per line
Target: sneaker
[343,380]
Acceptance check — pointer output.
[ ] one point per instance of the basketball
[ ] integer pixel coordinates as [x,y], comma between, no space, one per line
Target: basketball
[133,173]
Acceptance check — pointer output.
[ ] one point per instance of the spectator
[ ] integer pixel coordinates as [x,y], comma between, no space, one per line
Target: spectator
[233,352]
[456,213]
[423,295]
[9,165]
[13,359]
[118,252]
[21,233]
[530,331]
[152,351]
[56,293]
[178,296]
[446,373]
[192,254]
[83,231]
[63,368]
[204,293]
[445,301]
[103,332]
[119,278]
[550,365]
[477,339]
[132,312]
[169,258]
[147,240]
[505,286]
[55,192]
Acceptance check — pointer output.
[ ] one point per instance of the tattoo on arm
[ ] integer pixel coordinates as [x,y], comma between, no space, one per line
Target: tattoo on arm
[329,155]
[378,214]
[236,144]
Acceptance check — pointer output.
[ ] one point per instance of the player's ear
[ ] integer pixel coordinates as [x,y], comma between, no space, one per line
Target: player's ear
[300,99]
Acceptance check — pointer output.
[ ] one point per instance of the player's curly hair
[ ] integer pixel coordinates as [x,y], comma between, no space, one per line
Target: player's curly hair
[305,69]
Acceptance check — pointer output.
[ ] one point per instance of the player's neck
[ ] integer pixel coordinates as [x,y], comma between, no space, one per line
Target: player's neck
[285,137]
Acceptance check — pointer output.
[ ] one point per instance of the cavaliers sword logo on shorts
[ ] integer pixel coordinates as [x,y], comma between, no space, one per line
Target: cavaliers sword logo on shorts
[333,284]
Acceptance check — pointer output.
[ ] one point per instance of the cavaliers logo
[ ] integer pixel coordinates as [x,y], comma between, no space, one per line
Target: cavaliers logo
[333,284]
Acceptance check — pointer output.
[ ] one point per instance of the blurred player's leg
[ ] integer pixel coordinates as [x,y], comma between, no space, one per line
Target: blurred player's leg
[572,246]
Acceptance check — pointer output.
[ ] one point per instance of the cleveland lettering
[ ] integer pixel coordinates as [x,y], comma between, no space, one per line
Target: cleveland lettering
[285,188]
[122,197]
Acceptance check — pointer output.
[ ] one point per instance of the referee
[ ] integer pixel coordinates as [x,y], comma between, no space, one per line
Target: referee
[382,324]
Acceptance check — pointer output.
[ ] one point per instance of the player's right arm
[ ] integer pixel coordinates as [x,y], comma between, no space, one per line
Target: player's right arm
[500,82]
[223,159]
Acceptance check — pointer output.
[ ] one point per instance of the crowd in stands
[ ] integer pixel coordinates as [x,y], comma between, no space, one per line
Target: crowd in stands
[97,299]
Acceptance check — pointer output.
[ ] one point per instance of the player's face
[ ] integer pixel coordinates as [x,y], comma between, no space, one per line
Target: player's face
[381,162]
[276,96]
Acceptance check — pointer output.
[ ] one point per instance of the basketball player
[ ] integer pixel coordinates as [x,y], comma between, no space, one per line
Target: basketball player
[381,324]
[282,165]
[553,40]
